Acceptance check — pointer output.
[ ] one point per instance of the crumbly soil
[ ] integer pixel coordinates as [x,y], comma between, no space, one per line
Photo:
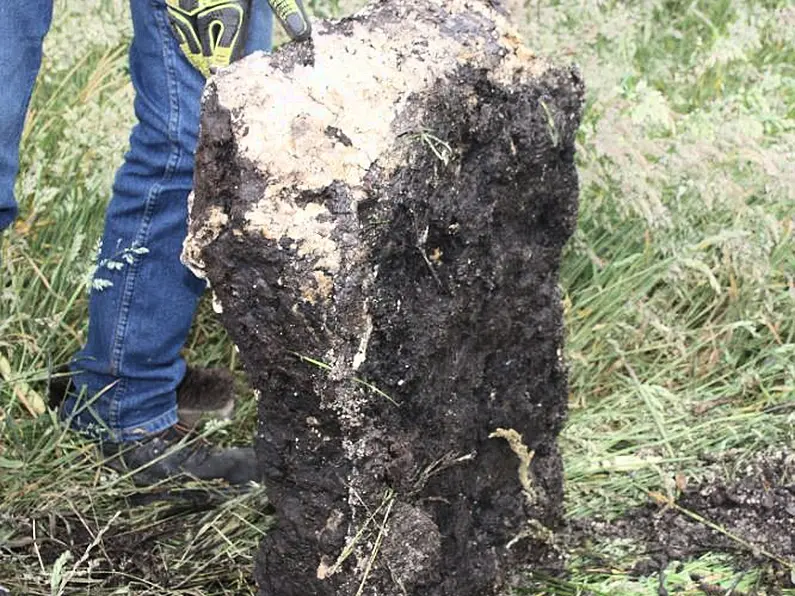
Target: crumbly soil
[413,314]
[748,513]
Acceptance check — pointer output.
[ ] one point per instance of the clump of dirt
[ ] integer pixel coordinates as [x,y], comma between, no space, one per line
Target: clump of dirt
[394,295]
[750,515]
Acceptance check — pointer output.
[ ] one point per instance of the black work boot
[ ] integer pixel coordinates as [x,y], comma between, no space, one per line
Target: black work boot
[178,453]
[175,452]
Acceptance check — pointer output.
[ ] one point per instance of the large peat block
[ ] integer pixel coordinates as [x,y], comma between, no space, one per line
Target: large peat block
[381,216]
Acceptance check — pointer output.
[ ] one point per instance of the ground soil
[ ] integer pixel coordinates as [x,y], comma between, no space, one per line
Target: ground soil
[754,507]
[747,512]
[126,551]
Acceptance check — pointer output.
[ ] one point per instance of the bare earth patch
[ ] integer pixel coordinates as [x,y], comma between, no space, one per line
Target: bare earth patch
[751,518]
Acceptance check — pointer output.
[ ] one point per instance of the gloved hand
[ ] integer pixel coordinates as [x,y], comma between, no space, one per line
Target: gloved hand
[212,33]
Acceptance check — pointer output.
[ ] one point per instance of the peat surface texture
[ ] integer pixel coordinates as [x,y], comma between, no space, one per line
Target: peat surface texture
[381,215]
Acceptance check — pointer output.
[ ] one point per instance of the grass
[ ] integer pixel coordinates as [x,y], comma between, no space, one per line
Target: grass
[679,294]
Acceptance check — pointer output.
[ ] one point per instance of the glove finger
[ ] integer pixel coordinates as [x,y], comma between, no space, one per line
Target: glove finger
[293,18]
[223,31]
[183,31]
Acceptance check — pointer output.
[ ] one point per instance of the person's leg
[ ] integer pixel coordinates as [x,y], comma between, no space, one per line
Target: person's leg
[144,298]
[23,26]
[260,27]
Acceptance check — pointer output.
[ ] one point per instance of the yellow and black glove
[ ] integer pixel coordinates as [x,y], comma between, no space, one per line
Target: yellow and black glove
[212,33]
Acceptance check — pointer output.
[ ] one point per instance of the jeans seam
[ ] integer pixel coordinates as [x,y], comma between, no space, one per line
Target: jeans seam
[155,191]
[115,404]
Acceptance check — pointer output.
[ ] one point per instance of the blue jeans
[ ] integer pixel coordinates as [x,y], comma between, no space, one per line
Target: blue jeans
[129,369]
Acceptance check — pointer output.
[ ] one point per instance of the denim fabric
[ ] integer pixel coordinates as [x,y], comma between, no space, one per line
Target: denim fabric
[129,369]
[23,26]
